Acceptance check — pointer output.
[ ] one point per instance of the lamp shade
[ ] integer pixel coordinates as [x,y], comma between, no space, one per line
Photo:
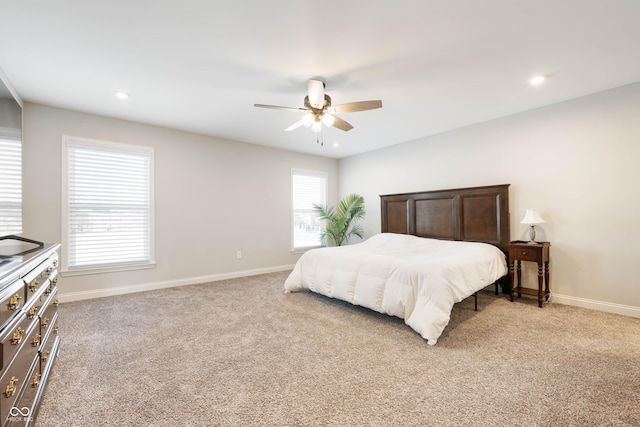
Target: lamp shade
[532,217]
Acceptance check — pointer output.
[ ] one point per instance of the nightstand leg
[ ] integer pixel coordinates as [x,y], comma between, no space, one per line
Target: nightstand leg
[511,282]
[519,273]
[546,280]
[540,285]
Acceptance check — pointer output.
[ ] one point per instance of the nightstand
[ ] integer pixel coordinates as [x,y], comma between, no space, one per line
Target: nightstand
[535,252]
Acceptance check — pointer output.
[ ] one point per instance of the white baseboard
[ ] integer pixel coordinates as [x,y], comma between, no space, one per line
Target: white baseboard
[626,310]
[121,290]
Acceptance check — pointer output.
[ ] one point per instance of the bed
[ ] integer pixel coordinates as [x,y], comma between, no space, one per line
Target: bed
[435,249]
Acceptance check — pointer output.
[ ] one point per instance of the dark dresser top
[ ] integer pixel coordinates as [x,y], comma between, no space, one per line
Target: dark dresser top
[13,266]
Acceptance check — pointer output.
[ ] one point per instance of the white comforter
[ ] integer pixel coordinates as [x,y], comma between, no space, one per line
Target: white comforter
[410,277]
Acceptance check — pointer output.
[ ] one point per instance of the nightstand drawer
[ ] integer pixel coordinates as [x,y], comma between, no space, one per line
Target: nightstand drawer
[525,254]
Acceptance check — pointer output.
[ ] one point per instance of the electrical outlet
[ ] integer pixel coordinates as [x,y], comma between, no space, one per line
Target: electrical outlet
[239,254]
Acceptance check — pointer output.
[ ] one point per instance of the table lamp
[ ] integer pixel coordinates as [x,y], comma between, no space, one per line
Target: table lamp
[531,218]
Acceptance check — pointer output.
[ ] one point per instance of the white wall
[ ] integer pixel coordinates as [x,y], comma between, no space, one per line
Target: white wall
[212,198]
[576,162]
[9,113]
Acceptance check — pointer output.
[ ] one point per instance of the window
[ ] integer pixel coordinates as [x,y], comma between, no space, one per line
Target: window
[307,188]
[107,209]
[10,182]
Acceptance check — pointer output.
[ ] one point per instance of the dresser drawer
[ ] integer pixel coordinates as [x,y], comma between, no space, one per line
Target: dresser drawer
[47,350]
[43,271]
[38,301]
[35,286]
[20,334]
[51,286]
[48,311]
[12,381]
[22,413]
[11,301]
[51,265]
[35,283]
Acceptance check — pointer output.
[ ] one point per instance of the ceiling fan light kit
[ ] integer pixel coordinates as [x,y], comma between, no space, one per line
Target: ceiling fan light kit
[328,119]
[318,109]
[307,119]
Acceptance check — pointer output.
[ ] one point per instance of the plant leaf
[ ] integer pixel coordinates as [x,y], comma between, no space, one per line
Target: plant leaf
[340,220]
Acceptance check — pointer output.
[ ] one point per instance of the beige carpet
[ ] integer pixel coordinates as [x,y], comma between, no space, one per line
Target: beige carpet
[240,352]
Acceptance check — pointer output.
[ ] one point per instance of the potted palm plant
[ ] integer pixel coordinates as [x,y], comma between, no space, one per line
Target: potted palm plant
[341,220]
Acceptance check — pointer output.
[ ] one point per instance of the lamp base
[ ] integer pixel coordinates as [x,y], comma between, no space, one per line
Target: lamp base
[532,235]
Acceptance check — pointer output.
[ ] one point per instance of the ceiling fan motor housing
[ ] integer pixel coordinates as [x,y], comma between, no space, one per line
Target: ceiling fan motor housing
[327,103]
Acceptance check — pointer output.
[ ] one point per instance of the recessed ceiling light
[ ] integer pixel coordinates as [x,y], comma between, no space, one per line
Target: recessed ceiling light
[537,80]
[120,94]
[336,144]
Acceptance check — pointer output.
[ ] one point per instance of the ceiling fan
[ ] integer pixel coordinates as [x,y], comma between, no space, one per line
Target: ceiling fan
[319,111]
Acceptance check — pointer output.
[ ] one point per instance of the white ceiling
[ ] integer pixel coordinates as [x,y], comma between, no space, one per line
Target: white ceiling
[200,65]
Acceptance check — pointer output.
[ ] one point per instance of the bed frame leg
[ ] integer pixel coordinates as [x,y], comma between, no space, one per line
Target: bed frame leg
[475,297]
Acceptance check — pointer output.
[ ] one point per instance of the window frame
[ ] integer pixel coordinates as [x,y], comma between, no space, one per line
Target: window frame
[311,173]
[106,146]
[12,135]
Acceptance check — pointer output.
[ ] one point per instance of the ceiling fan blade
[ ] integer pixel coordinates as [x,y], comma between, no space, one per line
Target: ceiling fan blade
[277,107]
[342,125]
[296,125]
[316,93]
[353,107]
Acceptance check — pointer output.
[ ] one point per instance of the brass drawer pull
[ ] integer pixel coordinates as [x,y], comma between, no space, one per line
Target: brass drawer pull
[55,281]
[36,340]
[32,312]
[44,322]
[56,302]
[14,302]
[17,336]
[11,387]
[45,356]
[55,329]
[33,285]
[36,380]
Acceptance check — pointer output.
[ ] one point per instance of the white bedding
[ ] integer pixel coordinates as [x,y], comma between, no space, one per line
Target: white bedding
[410,277]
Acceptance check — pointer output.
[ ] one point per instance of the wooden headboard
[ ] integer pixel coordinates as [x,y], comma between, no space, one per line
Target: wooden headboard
[476,214]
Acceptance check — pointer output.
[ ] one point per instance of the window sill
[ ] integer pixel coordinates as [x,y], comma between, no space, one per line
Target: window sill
[101,270]
[298,251]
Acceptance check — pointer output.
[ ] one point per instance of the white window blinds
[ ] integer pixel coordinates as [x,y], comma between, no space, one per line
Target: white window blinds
[307,188]
[10,184]
[109,206]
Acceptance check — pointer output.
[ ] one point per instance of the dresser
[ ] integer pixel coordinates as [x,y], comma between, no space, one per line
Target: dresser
[29,339]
